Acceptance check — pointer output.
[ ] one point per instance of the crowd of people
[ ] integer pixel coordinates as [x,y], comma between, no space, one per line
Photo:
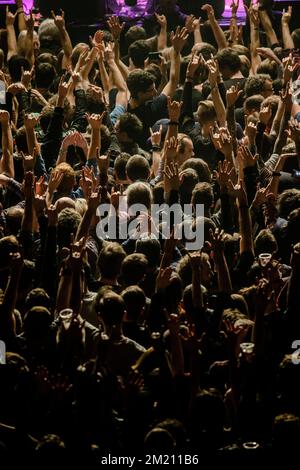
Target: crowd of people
[133,344]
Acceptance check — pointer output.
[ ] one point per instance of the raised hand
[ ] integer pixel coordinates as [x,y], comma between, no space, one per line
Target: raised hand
[246,156]
[265,115]
[155,137]
[95,120]
[289,67]
[171,150]
[251,131]
[232,95]
[28,185]
[217,240]
[115,27]
[163,278]
[209,10]
[286,15]
[10,17]
[174,109]
[226,172]
[103,163]
[31,120]
[39,204]
[59,20]
[221,139]
[234,7]
[213,72]
[94,201]
[63,87]
[55,180]
[41,186]
[193,66]
[239,191]
[179,38]
[161,19]
[190,23]
[27,76]
[172,180]
[29,160]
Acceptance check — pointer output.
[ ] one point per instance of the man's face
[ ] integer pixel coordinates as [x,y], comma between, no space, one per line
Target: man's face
[267,89]
[147,95]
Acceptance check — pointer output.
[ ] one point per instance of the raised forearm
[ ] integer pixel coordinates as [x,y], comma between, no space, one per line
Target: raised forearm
[11,41]
[219,106]
[66,44]
[95,144]
[218,32]
[267,25]
[224,280]
[246,242]
[104,78]
[162,38]
[287,39]
[117,76]
[32,141]
[6,163]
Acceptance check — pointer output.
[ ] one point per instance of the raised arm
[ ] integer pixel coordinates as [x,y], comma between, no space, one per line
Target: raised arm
[287,39]
[254,20]
[6,162]
[65,40]
[29,54]
[267,25]
[214,79]
[11,34]
[178,41]
[162,37]
[216,28]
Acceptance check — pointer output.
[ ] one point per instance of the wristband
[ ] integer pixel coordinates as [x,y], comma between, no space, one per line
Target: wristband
[173,123]
[276,173]
[156,148]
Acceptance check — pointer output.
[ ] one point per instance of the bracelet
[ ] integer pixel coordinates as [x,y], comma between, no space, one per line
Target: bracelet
[276,173]
[173,123]
[156,148]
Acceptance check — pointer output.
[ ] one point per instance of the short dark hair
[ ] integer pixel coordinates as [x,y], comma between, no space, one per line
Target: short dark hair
[138,52]
[68,223]
[120,165]
[137,168]
[200,166]
[134,268]
[139,81]
[130,124]
[111,308]
[255,85]
[288,200]
[253,102]
[203,194]
[135,33]
[135,299]
[139,193]
[15,64]
[151,248]
[229,58]
[44,75]
[110,260]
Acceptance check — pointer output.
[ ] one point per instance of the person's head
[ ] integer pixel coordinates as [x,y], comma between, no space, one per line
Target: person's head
[135,302]
[200,166]
[77,52]
[229,62]
[286,433]
[259,85]
[188,180]
[150,247]
[207,413]
[48,58]
[167,6]
[51,449]
[272,102]
[156,72]
[128,128]
[268,67]
[137,168]
[293,226]
[68,180]
[252,104]
[296,38]
[203,194]
[133,34]
[245,66]
[37,297]
[13,217]
[8,245]
[185,149]
[44,75]
[64,203]
[134,269]
[139,193]
[110,260]
[49,33]
[120,166]
[138,52]
[206,113]
[265,242]
[111,309]
[37,322]
[15,64]
[287,201]
[141,85]
[68,223]
[159,441]
[184,270]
